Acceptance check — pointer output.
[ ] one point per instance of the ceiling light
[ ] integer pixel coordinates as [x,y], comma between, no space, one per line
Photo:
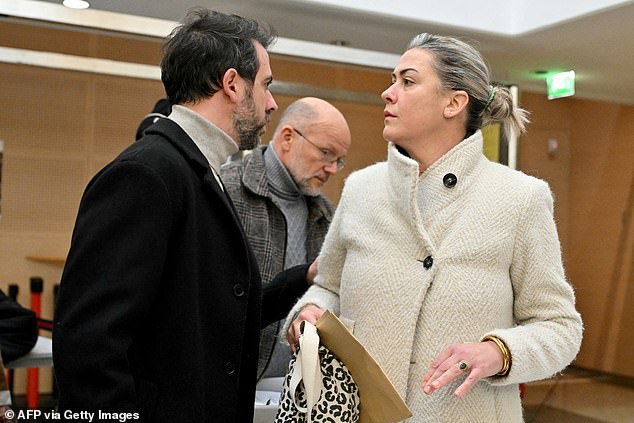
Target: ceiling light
[76,4]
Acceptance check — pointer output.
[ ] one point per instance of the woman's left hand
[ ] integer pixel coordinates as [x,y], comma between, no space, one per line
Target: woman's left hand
[476,361]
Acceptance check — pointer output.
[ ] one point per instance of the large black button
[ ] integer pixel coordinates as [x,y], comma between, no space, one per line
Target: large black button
[450,180]
[428,262]
[230,368]
[238,290]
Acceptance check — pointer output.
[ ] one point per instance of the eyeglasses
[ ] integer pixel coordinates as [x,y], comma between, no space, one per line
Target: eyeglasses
[328,156]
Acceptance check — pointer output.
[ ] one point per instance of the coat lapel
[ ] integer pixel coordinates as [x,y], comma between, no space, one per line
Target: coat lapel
[178,138]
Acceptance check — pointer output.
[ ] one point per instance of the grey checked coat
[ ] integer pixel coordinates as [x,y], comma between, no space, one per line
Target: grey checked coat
[265,226]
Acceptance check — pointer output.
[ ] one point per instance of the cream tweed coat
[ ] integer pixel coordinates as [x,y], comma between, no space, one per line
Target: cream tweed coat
[493,267]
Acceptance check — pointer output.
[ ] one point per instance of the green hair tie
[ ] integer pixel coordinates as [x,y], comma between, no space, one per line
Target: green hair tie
[491,95]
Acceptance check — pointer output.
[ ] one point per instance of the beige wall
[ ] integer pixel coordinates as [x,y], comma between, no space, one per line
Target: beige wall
[60,127]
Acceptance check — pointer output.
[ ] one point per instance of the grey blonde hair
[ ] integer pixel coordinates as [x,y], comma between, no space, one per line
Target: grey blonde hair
[460,66]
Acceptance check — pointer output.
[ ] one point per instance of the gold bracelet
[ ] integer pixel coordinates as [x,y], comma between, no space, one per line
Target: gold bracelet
[506,355]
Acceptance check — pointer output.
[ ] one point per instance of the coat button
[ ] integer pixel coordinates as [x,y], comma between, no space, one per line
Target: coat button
[230,368]
[428,262]
[238,290]
[450,180]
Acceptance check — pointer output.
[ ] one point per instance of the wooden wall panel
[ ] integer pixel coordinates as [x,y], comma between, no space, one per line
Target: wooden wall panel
[598,177]
[41,194]
[127,48]
[39,36]
[621,346]
[349,77]
[553,168]
[58,38]
[604,176]
[120,105]
[43,110]
[601,176]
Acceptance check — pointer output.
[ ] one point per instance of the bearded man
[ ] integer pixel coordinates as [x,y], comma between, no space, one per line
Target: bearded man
[159,308]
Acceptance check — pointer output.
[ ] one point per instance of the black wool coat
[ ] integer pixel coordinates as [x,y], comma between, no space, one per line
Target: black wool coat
[159,308]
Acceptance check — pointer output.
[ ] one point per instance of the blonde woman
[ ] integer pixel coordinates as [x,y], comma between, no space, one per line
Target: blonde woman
[446,266]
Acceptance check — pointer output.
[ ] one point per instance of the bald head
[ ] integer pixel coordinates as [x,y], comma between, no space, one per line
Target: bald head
[311,138]
[309,111]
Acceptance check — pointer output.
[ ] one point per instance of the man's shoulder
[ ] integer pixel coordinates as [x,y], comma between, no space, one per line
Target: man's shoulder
[251,164]
[232,169]
[249,159]
[153,151]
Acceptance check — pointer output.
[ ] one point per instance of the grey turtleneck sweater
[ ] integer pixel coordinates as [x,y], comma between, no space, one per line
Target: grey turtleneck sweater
[287,196]
[291,201]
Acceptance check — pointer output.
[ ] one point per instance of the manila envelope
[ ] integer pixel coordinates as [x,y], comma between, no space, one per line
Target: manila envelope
[379,400]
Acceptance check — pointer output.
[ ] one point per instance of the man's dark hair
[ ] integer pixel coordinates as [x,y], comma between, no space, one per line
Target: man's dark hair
[200,50]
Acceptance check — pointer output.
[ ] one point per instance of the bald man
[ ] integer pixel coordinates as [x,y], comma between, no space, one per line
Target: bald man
[277,192]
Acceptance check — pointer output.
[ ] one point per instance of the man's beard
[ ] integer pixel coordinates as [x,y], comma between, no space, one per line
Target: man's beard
[307,190]
[246,123]
[303,182]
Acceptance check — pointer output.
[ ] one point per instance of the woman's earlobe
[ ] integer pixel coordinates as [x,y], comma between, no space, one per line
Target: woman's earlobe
[449,112]
[457,103]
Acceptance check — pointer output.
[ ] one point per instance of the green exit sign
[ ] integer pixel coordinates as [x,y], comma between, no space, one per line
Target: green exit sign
[561,84]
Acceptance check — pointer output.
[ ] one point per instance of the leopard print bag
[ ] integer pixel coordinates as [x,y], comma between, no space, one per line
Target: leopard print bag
[318,387]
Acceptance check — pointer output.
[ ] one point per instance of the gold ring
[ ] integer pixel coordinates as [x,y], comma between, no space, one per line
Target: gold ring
[464,367]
